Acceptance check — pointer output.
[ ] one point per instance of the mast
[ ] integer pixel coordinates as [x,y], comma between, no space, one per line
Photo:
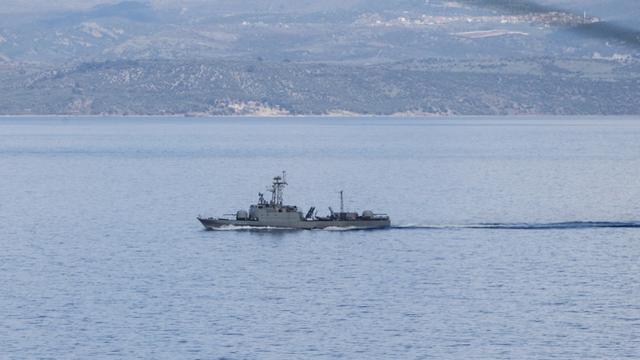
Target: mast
[277,188]
[341,202]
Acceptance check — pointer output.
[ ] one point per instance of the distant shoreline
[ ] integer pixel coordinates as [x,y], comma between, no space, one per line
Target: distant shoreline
[358,116]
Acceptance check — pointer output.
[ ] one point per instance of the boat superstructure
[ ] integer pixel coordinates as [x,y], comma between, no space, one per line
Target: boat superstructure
[275,214]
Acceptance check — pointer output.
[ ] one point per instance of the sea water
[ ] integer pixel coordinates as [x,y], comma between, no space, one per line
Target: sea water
[511,238]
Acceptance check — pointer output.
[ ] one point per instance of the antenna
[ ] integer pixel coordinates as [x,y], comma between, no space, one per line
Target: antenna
[277,188]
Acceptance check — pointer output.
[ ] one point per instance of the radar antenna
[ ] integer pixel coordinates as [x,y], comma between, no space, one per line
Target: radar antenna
[277,188]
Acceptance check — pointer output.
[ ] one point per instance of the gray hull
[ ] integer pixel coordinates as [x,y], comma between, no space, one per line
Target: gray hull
[212,224]
[275,214]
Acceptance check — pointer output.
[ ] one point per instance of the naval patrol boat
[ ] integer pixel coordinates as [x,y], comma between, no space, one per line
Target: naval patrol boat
[275,214]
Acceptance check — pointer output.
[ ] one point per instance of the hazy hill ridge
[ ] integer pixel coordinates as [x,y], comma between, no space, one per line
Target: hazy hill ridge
[351,56]
[437,87]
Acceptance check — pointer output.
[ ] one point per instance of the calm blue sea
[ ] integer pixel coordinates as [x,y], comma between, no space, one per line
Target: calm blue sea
[511,239]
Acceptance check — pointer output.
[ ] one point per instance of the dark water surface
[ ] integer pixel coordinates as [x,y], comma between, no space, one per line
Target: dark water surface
[514,239]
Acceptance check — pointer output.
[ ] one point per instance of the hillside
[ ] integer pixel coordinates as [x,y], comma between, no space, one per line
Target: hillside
[307,57]
[436,86]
